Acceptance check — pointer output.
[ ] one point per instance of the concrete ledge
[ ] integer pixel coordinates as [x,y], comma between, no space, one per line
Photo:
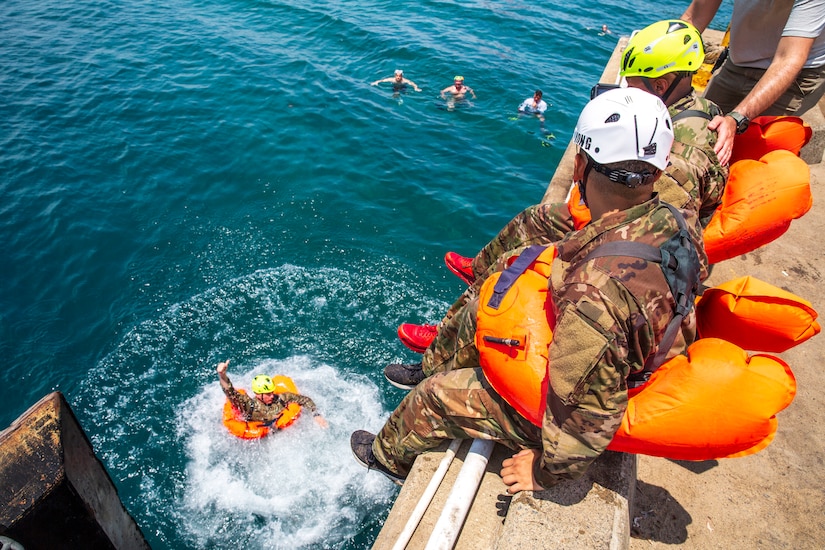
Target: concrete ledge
[591,512]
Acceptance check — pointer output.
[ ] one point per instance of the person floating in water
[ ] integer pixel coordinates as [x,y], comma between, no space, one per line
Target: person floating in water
[267,405]
[605,31]
[534,105]
[458,89]
[399,83]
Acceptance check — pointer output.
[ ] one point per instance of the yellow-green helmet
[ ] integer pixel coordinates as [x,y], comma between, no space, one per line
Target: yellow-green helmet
[664,47]
[263,384]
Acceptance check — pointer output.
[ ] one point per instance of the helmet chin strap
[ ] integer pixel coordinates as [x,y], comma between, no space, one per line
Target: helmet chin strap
[670,89]
[582,183]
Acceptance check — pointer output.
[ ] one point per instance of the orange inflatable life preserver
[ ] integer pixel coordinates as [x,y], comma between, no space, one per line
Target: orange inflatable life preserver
[761,198]
[755,315]
[577,208]
[513,337]
[235,423]
[769,133]
[715,403]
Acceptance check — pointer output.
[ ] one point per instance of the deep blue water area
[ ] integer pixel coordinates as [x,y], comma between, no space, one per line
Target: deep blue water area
[184,182]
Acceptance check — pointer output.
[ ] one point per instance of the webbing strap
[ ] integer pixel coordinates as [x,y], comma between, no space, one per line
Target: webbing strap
[683,293]
[691,112]
[509,275]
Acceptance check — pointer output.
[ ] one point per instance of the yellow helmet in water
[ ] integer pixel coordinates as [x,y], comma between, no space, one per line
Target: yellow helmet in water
[458,78]
[263,384]
[664,47]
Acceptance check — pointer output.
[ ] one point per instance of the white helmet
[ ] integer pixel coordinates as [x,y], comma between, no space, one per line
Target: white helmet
[625,124]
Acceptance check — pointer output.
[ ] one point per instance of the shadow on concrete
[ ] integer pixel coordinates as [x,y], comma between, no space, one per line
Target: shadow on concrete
[502,505]
[699,467]
[656,516]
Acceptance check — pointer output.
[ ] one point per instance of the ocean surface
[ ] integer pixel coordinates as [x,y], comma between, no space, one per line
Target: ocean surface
[186,182]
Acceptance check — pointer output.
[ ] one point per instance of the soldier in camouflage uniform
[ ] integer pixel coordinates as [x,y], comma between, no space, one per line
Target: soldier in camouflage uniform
[661,58]
[666,53]
[611,313]
[266,406]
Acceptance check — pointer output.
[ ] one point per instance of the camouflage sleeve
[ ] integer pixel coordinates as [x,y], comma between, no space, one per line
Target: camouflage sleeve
[588,390]
[538,224]
[302,400]
[241,402]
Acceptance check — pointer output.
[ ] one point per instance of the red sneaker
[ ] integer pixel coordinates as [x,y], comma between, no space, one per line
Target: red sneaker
[462,266]
[417,337]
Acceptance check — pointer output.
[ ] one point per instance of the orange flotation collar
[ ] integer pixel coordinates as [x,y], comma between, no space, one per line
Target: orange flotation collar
[238,426]
[755,315]
[715,403]
[514,329]
[761,198]
[769,133]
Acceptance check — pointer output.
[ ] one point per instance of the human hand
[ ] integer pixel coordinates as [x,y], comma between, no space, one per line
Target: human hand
[222,367]
[725,128]
[321,421]
[517,471]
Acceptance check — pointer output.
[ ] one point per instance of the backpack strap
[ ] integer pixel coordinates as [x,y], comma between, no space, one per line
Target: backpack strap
[691,112]
[680,266]
[509,275]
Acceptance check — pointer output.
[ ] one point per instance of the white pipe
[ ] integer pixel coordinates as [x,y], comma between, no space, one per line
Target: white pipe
[445,532]
[427,496]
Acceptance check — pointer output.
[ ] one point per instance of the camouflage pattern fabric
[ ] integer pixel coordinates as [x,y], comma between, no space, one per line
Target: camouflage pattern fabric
[694,180]
[258,411]
[610,314]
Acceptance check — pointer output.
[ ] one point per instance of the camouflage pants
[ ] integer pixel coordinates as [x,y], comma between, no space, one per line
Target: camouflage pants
[454,345]
[453,405]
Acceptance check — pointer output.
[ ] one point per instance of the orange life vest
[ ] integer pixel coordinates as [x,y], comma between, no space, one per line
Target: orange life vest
[578,210]
[513,333]
[235,423]
[761,198]
[755,315]
[769,133]
[715,403]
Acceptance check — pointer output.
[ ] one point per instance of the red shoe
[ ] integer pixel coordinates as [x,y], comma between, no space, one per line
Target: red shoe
[417,337]
[462,266]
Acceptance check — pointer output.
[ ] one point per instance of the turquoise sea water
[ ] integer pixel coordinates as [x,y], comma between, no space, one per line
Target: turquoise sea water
[191,181]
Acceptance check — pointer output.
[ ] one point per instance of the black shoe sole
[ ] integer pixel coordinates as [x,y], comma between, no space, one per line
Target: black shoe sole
[397,480]
[399,385]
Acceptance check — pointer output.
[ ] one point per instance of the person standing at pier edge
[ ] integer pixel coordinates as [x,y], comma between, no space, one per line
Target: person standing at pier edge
[611,315]
[775,66]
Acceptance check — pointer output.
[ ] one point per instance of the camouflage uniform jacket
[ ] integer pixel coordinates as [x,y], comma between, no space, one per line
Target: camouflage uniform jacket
[610,314]
[255,410]
[694,180]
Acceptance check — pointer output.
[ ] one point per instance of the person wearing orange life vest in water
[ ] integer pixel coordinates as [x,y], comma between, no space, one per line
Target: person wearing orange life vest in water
[611,314]
[267,405]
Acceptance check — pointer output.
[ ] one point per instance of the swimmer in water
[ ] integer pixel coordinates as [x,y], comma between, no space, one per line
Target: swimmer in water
[458,89]
[534,105]
[399,83]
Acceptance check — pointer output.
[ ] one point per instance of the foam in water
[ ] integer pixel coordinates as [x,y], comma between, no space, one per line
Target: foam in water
[154,406]
[295,486]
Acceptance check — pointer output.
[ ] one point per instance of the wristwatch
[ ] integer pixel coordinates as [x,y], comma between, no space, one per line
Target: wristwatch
[741,120]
